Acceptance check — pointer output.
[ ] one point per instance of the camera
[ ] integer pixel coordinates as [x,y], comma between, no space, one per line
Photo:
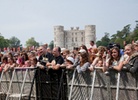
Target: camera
[44,61]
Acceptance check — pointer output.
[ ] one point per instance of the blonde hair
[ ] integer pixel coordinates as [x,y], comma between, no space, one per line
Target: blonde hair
[131,46]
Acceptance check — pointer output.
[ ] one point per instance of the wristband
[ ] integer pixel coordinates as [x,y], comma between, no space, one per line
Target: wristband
[51,67]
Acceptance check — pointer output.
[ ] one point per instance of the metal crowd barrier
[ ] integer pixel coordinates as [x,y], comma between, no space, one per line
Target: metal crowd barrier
[100,86]
[128,86]
[38,84]
[80,86]
[18,84]
[4,83]
[51,86]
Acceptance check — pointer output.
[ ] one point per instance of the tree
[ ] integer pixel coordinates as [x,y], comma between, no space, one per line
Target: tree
[136,25]
[51,45]
[3,42]
[121,36]
[98,43]
[113,38]
[14,42]
[31,42]
[125,35]
[104,41]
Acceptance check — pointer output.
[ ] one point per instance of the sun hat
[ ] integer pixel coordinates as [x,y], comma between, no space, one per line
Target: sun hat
[71,59]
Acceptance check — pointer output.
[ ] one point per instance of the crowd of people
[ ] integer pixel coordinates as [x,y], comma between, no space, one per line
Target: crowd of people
[80,58]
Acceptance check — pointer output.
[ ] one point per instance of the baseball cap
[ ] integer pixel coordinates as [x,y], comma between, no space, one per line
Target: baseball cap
[136,42]
[71,59]
[82,51]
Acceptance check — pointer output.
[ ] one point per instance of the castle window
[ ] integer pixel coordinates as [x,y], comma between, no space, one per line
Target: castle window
[76,39]
[81,33]
[66,46]
[81,39]
[66,39]
[75,33]
[72,39]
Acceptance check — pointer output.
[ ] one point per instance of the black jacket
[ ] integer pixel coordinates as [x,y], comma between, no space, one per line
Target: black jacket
[132,65]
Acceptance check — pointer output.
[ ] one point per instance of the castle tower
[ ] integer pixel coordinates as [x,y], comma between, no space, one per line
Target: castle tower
[89,34]
[59,36]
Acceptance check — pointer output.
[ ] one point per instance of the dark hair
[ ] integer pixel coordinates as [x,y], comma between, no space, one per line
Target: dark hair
[59,49]
[119,55]
[84,47]
[34,59]
[25,56]
[12,60]
[76,48]
[111,45]
[92,41]
[85,58]
[5,58]
[10,54]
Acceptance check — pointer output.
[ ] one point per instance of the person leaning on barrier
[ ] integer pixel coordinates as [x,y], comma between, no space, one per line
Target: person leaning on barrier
[136,46]
[84,61]
[75,60]
[3,63]
[92,54]
[57,60]
[83,47]
[31,55]
[99,63]
[99,56]
[116,60]
[65,53]
[10,65]
[132,63]
[69,62]
[21,62]
[33,62]
[44,57]
[76,56]
[27,63]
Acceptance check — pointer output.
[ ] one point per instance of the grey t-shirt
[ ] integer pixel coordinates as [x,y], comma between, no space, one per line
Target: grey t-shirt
[83,68]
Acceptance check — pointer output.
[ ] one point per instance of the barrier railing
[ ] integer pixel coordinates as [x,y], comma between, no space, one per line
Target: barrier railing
[4,83]
[44,85]
[51,86]
[80,86]
[20,84]
[100,86]
[128,86]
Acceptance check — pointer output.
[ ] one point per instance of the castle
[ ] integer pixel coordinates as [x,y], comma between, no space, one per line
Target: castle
[74,37]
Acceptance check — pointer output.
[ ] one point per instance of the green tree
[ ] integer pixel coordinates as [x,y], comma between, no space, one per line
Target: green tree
[122,35]
[51,45]
[3,42]
[104,41]
[113,38]
[31,42]
[14,42]
[136,25]
[126,31]
[98,43]
[135,32]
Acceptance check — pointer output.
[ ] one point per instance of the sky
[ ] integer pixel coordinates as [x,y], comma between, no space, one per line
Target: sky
[36,18]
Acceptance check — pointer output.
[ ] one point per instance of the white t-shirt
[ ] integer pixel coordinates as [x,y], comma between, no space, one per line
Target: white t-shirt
[115,63]
[94,46]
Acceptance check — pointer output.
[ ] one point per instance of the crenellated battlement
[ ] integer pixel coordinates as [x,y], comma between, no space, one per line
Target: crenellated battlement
[74,37]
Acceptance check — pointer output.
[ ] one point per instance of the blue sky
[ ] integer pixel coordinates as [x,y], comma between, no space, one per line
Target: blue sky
[35,18]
